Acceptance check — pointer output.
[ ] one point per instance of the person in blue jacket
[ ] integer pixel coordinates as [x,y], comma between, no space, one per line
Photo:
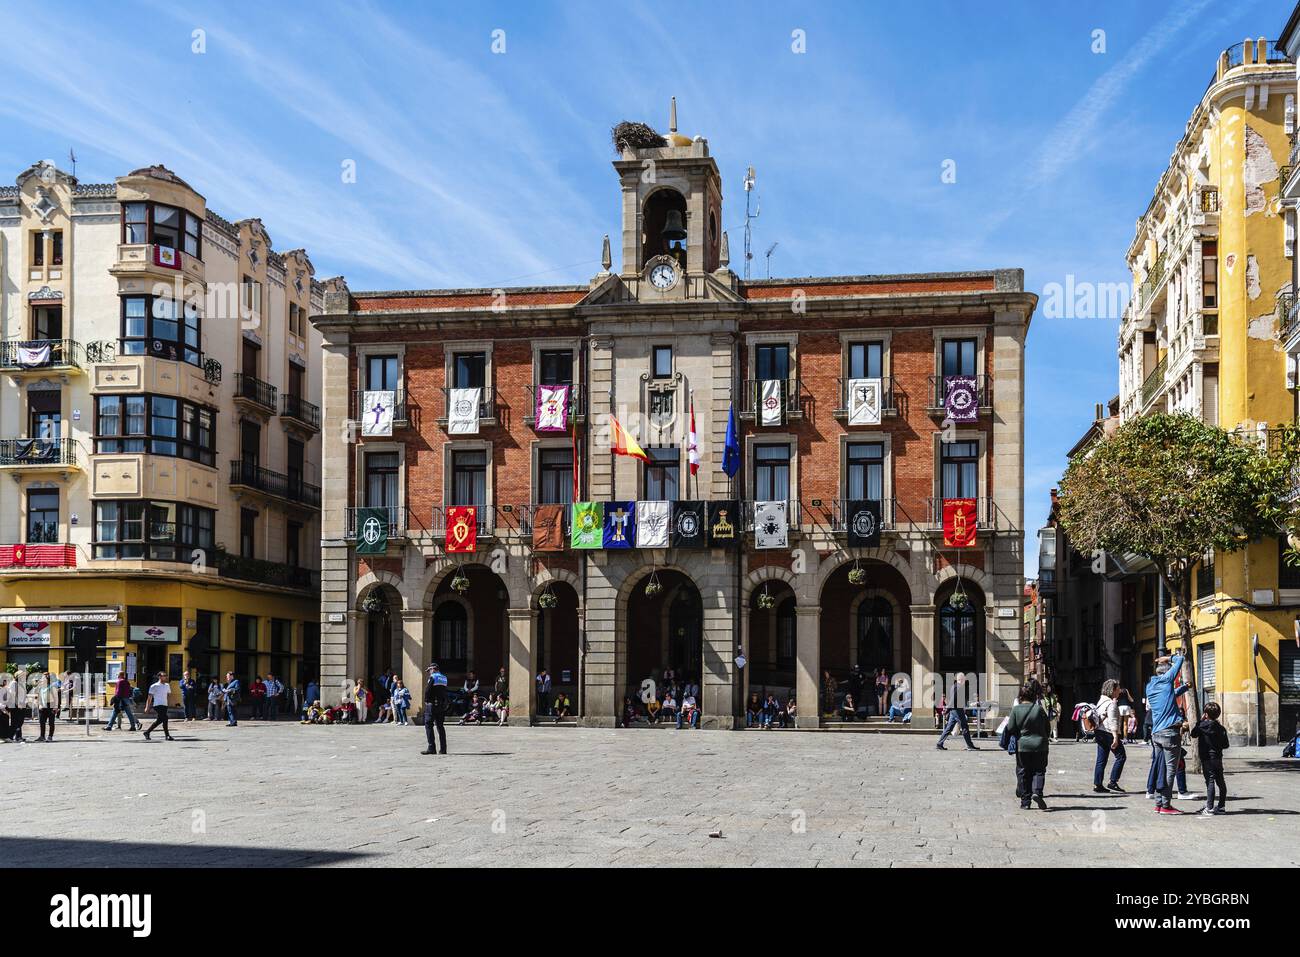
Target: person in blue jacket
[1162,696]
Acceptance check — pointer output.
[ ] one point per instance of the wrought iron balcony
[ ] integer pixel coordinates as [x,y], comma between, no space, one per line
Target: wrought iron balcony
[40,355]
[397,519]
[889,397]
[1152,384]
[300,410]
[793,514]
[230,565]
[487,406]
[939,391]
[751,398]
[291,488]
[485,519]
[256,391]
[525,515]
[33,453]
[986,514]
[889,511]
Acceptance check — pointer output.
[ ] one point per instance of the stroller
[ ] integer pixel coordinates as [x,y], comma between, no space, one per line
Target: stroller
[1086,721]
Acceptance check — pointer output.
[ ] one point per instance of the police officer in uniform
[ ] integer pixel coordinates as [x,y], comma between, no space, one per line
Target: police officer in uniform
[435,709]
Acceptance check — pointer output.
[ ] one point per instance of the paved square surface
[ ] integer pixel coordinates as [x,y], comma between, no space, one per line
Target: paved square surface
[285,794]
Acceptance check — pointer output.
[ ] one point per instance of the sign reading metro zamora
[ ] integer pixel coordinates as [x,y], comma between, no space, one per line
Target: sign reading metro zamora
[669,466]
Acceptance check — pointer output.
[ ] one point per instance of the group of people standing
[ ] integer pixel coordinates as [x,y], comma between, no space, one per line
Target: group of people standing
[848,699]
[49,695]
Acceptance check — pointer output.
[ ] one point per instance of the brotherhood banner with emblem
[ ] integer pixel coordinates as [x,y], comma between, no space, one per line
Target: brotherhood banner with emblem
[864,402]
[377,414]
[864,524]
[771,526]
[462,528]
[688,525]
[961,400]
[586,524]
[771,402]
[552,408]
[959,522]
[462,411]
[372,531]
[548,528]
[652,529]
[724,523]
[167,257]
[31,354]
[620,527]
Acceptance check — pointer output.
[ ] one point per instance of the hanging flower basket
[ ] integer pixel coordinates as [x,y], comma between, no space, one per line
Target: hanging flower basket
[765,601]
[547,599]
[460,584]
[958,599]
[857,575]
[652,587]
[374,604]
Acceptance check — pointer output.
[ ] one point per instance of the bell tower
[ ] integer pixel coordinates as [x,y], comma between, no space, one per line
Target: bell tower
[672,200]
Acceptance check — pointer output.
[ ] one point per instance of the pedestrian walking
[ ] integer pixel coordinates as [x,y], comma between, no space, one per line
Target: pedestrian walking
[1109,737]
[47,703]
[1162,694]
[1053,705]
[401,701]
[121,701]
[544,692]
[1028,726]
[214,700]
[274,695]
[1211,741]
[436,702]
[159,692]
[230,692]
[957,715]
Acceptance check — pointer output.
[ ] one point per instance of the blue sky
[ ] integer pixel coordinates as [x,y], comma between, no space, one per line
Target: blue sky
[486,169]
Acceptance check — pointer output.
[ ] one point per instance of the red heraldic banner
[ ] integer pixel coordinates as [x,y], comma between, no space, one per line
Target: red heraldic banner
[38,556]
[462,528]
[959,522]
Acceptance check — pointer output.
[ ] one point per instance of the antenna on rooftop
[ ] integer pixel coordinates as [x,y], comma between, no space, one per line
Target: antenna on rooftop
[770,249]
[750,216]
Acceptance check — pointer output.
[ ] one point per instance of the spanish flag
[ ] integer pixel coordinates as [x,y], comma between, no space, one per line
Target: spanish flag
[620,443]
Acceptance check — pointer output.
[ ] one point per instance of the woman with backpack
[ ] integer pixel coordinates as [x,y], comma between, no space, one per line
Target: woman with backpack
[1028,734]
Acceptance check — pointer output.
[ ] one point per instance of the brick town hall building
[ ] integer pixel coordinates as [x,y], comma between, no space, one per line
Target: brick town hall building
[887,395]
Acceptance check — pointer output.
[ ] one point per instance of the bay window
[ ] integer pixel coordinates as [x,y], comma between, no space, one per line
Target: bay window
[162,327]
[160,531]
[156,424]
[162,225]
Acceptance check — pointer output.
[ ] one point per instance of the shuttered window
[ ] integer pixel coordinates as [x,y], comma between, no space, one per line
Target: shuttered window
[1206,672]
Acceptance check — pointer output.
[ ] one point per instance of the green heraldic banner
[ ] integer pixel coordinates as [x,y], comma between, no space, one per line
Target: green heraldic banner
[372,531]
[587,527]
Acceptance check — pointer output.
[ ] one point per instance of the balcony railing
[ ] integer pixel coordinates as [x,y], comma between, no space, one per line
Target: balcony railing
[485,520]
[983,390]
[42,354]
[793,514]
[1153,382]
[38,555]
[752,397]
[38,452]
[577,403]
[889,396]
[398,520]
[255,391]
[487,404]
[300,410]
[230,565]
[889,510]
[986,514]
[401,410]
[291,488]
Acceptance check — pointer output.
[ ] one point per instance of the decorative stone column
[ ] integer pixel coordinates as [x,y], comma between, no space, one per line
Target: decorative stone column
[521,668]
[808,669]
[924,680]
[415,654]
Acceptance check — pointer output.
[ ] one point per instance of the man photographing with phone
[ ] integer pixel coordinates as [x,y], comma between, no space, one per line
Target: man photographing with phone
[1162,695]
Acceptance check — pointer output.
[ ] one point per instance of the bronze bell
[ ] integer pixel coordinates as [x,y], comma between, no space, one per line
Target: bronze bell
[674,228]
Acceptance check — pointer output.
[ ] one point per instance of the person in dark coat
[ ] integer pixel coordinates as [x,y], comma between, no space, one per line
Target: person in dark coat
[1032,730]
[1211,741]
[436,704]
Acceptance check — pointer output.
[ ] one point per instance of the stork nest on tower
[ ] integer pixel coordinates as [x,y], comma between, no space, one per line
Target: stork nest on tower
[636,136]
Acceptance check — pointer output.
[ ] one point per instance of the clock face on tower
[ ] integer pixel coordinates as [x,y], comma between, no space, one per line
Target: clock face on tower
[663,273]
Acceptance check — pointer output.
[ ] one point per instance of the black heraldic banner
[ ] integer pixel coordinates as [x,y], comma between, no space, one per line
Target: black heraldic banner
[688,525]
[864,523]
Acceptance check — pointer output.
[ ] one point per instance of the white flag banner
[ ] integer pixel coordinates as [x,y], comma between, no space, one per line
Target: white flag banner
[864,401]
[34,355]
[377,412]
[552,408]
[771,402]
[462,411]
[651,524]
[771,526]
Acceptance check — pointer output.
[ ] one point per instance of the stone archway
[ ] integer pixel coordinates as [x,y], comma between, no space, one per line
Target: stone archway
[864,625]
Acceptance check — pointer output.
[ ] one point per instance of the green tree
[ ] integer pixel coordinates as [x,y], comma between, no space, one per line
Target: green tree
[1170,488]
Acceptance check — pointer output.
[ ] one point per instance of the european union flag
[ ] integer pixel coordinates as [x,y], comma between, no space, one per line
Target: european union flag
[731,451]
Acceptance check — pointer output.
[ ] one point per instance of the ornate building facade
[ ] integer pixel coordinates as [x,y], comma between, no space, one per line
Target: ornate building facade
[674,347]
